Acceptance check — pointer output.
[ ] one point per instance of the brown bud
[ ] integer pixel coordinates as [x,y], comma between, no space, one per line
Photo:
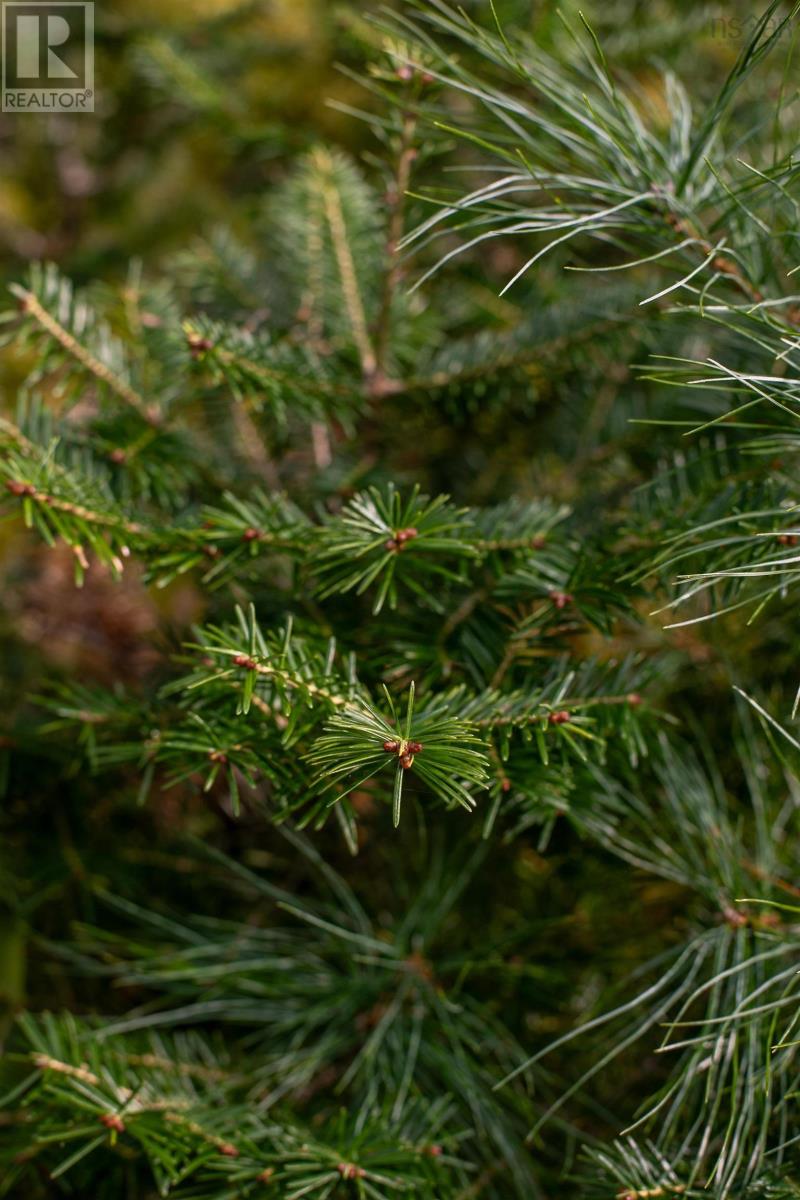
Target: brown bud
[118,456]
[405,72]
[634,699]
[406,761]
[228,1150]
[211,551]
[265,1176]
[559,718]
[435,1151]
[391,747]
[18,488]
[787,539]
[350,1171]
[405,535]
[244,660]
[112,1121]
[218,756]
[391,545]
[561,599]
[251,535]
[506,784]
[734,918]
[538,542]
[198,345]
[414,747]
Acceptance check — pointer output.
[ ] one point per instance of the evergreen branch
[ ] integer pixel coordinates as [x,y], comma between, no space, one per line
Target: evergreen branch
[362,742]
[324,163]
[189,1122]
[33,308]
[255,366]
[406,154]
[310,1006]
[284,663]
[378,533]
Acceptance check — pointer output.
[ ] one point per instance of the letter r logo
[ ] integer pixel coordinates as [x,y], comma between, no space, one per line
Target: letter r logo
[47,55]
[58,32]
[29,42]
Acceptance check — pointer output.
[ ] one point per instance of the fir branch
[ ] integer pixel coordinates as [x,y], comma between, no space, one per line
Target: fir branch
[36,310]
[323,163]
[406,154]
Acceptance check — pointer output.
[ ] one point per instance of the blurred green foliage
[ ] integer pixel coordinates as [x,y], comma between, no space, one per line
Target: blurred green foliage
[202,106]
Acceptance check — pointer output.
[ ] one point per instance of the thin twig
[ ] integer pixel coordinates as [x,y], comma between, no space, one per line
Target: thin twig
[396,203]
